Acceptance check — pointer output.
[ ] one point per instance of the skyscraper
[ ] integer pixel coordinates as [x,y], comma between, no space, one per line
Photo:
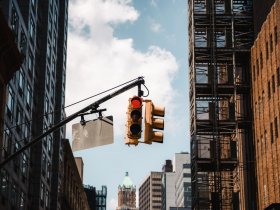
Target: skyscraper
[176,184]
[222,150]
[150,192]
[168,185]
[35,102]
[72,194]
[10,61]
[183,180]
[96,198]
[126,194]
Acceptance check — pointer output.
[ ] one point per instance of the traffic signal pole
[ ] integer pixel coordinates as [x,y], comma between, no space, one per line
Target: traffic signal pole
[139,81]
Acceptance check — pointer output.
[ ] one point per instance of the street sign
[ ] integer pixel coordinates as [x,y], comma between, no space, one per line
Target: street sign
[93,133]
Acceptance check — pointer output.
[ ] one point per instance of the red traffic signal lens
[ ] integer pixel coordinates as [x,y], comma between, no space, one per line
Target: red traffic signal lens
[135,115]
[135,129]
[136,102]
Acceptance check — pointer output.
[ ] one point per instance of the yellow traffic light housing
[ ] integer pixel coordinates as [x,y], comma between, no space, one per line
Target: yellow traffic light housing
[152,121]
[134,120]
[130,141]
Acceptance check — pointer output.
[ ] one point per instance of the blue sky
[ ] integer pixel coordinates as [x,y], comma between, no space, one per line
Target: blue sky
[114,41]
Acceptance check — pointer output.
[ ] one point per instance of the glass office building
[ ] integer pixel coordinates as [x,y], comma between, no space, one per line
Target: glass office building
[35,101]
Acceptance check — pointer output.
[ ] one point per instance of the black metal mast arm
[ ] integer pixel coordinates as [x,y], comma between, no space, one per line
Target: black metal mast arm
[94,105]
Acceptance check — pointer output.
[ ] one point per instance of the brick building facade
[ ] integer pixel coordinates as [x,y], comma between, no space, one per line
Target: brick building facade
[265,62]
[126,194]
[72,193]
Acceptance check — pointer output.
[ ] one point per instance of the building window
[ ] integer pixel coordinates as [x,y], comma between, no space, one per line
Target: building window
[266,50]
[50,117]
[14,22]
[51,4]
[265,139]
[48,171]
[4,181]
[275,34]
[10,103]
[273,83]
[28,96]
[53,66]
[271,43]
[19,115]
[7,142]
[24,166]
[30,64]
[22,201]
[11,99]
[33,2]
[47,106]
[271,132]
[26,129]
[48,79]
[23,42]
[258,67]
[276,127]
[55,17]
[42,194]
[278,76]
[20,81]
[47,199]
[220,6]
[201,74]
[256,108]
[13,194]
[259,103]
[200,38]
[31,28]
[268,90]
[261,60]
[254,73]
[44,163]
[50,26]
[223,73]
[48,51]
[263,97]
[54,40]
[16,159]
[187,175]
[220,39]
[49,144]
[200,7]
[52,92]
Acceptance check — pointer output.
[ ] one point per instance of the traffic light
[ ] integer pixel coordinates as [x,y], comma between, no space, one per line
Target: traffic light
[152,122]
[134,120]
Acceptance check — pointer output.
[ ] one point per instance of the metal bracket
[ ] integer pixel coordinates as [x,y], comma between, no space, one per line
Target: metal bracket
[99,111]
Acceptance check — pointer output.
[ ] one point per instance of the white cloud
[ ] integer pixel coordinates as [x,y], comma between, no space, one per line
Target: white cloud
[97,60]
[101,11]
[153,3]
[96,17]
[155,27]
[113,204]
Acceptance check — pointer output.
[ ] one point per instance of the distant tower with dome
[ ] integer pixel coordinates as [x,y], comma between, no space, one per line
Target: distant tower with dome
[126,194]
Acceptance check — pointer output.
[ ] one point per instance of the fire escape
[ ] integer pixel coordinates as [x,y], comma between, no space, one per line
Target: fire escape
[220,38]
